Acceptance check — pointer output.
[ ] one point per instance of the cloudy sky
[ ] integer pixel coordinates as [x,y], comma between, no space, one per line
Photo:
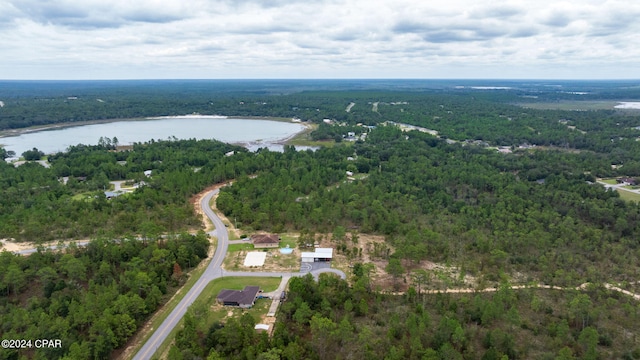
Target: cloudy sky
[169,39]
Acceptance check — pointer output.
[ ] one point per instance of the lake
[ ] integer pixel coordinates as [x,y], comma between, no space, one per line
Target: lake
[250,133]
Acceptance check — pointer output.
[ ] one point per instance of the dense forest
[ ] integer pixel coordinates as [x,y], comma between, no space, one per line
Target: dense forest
[37,205]
[94,298]
[536,212]
[330,319]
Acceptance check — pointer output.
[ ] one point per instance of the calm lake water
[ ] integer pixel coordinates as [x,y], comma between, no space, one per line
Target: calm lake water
[249,132]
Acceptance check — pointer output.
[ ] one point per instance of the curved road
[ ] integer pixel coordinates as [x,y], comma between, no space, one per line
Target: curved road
[213,271]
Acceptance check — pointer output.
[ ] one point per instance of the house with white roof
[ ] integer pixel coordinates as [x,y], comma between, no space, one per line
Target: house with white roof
[319,255]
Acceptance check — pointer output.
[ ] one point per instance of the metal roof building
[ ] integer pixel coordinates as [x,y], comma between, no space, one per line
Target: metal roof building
[319,255]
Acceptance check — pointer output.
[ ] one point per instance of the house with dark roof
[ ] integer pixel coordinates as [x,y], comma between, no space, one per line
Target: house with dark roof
[242,298]
[627,181]
[265,241]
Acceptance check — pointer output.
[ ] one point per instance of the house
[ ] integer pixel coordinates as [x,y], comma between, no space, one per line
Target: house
[627,181]
[265,241]
[320,255]
[112,194]
[242,298]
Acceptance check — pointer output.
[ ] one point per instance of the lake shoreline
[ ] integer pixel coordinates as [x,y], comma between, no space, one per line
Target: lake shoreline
[65,125]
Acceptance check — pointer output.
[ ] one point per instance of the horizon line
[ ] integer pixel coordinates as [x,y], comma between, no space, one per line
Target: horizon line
[326,79]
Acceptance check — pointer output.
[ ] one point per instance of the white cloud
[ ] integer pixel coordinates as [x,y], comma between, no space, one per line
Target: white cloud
[287,38]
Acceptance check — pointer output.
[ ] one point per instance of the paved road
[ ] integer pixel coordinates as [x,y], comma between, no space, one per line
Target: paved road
[213,271]
[618,187]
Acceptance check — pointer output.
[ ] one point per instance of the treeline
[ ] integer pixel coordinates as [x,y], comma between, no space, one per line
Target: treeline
[92,299]
[537,212]
[329,319]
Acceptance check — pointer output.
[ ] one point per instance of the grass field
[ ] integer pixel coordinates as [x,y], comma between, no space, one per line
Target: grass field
[609,181]
[628,195]
[291,240]
[239,247]
[216,312]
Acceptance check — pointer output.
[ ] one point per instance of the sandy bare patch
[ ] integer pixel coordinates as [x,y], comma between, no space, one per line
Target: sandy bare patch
[274,261]
[195,201]
[11,246]
[375,250]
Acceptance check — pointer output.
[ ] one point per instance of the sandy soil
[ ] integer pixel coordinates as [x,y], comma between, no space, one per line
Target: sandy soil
[442,276]
[275,261]
[195,201]
[11,246]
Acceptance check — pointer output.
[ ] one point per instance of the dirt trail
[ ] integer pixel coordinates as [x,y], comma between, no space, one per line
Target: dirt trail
[11,246]
[582,287]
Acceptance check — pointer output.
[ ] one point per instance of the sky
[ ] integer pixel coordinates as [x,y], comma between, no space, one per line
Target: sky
[317,39]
